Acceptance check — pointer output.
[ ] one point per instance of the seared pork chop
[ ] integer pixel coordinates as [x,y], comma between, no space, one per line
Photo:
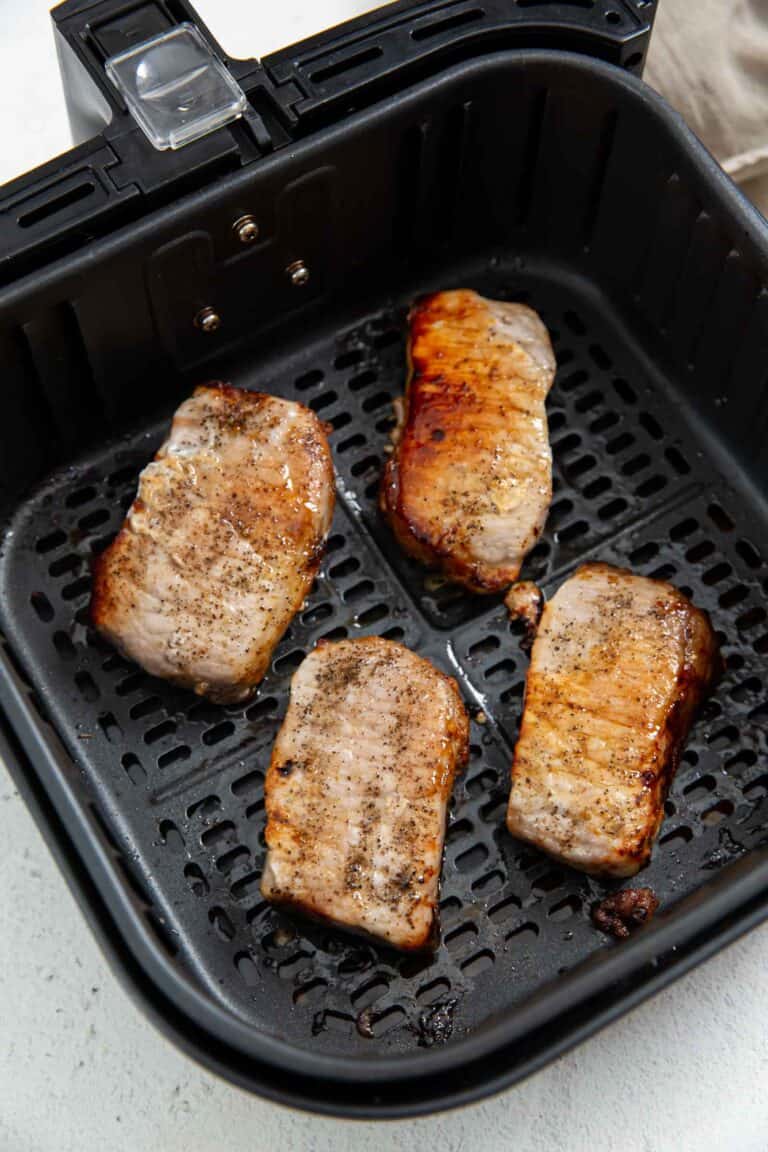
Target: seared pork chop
[221,544]
[358,786]
[618,668]
[469,485]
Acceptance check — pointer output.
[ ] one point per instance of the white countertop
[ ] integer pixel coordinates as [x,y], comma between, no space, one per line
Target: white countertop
[81,1069]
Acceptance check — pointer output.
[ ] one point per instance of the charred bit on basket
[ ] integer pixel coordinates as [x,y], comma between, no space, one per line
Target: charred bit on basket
[620,913]
[435,1024]
[525,603]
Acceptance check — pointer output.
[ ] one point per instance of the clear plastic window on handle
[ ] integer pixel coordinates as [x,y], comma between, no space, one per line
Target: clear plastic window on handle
[175,87]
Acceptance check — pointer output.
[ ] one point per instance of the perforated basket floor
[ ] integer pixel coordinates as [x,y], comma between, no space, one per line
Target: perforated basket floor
[179,782]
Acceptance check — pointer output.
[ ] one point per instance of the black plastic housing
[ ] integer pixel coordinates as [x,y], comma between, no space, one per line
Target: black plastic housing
[115,175]
[542,175]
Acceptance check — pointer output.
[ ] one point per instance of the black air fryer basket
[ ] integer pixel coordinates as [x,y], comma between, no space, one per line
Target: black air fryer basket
[510,147]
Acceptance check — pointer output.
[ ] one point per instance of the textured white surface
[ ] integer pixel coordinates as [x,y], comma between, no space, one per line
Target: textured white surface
[80,1069]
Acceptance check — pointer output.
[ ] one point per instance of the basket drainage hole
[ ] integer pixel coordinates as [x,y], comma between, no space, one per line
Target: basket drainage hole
[387,339]
[51,541]
[110,727]
[170,836]
[80,496]
[122,476]
[217,835]
[247,969]
[248,885]
[505,909]
[222,925]
[87,686]
[548,882]
[450,908]
[42,606]
[81,587]
[636,464]
[370,992]
[64,646]
[309,380]
[747,688]
[130,684]
[525,934]
[204,808]
[566,908]
[460,938]
[294,965]
[700,788]
[247,784]
[724,736]
[717,812]
[219,733]
[261,708]
[332,1021]
[231,860]
[362,380]
[490,882]
[479,785]
[159,732]
[311,990]
[197,882]
[458,830]
[369,463]
[749,554]
[290,662]
[358,591]
[352,442]
[504,670]
[335,634]
[758,788]
[433,991]
[484,647]
[134,769]
[349,358]
[372,615]
[573,532]
[344,568]
[745,759]
[145,708]
[373,1025]
[174,756]
[480,962]
[317,403]
[677,838]
[94,519]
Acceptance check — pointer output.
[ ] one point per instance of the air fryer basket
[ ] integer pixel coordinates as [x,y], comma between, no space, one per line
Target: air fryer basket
[536,176]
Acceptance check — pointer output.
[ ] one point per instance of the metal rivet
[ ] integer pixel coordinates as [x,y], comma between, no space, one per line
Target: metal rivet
[298,273]
[246,229]
[208,320]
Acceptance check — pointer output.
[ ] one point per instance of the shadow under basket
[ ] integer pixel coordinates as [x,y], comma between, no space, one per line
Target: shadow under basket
[535,176]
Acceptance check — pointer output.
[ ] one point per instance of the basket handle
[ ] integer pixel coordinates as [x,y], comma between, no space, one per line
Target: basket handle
[114,174]
[391,47]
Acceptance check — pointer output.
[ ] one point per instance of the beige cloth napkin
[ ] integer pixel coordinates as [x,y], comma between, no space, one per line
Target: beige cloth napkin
[709,59]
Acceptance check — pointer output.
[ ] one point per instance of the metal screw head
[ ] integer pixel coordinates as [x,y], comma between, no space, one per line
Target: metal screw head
[208,320]
[298,273]
[246,229]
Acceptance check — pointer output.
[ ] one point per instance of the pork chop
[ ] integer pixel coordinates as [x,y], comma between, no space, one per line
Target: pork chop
[221,544]
[358,786]
[468,487]
[619,665]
